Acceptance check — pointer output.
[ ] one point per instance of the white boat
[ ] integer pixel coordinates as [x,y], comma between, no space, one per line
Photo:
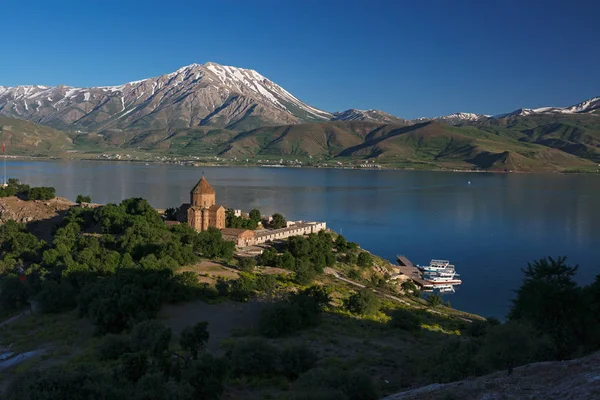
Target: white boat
[447,275]
[436,265]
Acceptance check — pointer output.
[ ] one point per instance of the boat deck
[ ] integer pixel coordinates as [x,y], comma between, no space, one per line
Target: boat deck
[412,272]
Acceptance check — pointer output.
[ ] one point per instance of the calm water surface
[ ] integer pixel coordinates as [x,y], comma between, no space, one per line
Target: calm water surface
[489,228]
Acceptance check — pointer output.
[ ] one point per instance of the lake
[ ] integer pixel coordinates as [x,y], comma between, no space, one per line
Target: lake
[488,225]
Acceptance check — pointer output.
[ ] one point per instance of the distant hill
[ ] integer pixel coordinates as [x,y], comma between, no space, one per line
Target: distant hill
[530,143]
[27,138]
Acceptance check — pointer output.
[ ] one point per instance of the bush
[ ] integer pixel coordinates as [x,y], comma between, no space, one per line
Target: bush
[206,376]
[194,339]
[151,337]
[56,297]
[410,288]
[83,199]
[13,293]
[133,366]
[247,264]
[114,346]
[351,259]
[363,302]
[253,357]
[295,360]
[405,319]
[305,273]
[279,319]
[434,300]
[364,260]
[41,193]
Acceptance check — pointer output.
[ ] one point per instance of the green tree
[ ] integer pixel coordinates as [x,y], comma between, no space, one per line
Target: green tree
[551,301]
[83,199]
[253,357]
[13,293]
[206,376]
[351,259]
[41,193]
[255,215]
[512,344]
[151,337]
[296,359]
[364,260]
[341,244]
[247,264]
[408,287]
[278,221]
[194,339]
[171,213]
[363,302]
[304,272]
[56,297]
[434,300]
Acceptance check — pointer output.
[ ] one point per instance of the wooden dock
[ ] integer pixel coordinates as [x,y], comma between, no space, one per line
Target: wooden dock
[407,268]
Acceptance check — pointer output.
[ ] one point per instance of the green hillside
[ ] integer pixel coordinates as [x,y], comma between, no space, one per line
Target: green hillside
[27,138]
[544,143]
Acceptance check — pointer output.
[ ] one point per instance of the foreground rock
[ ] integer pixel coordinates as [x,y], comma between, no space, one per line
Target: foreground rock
[574,379]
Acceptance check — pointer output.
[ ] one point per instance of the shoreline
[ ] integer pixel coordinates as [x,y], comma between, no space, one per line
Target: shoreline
[197,164]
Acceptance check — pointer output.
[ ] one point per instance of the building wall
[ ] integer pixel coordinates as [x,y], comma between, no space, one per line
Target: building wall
[203,200]
[216,218]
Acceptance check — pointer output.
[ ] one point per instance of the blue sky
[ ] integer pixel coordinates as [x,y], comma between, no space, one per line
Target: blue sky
[409,58]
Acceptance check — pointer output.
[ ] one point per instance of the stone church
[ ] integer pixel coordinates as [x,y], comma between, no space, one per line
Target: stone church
[203,212]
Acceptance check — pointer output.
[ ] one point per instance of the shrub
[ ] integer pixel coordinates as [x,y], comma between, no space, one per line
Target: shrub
[206,376]
[351,259]
[405,319]
[305,273]
[253,357]
[410,288]
[83,199]
[133,366]
[295,360]
[114,346]
[364,260]
[435,300]
[279,319]
[41,193]
[56,297]
[363,302]
[13,293]
[247,264]
[194,338]
[152,337]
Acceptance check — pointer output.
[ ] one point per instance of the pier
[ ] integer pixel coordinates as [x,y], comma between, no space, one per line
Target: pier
[407,268]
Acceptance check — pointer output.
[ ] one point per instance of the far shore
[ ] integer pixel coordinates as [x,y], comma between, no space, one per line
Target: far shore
[192,163]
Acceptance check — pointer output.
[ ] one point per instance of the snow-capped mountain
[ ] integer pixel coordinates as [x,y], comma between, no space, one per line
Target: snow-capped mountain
[588,106]
[208,94]
[455,119]
[366,115]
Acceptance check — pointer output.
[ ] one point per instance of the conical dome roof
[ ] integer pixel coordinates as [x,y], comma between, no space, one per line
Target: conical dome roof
[203,187]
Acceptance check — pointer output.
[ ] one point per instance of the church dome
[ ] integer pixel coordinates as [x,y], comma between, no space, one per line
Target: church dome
[203,187]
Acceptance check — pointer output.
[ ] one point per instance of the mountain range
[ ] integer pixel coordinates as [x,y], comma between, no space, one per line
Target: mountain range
[212,109]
